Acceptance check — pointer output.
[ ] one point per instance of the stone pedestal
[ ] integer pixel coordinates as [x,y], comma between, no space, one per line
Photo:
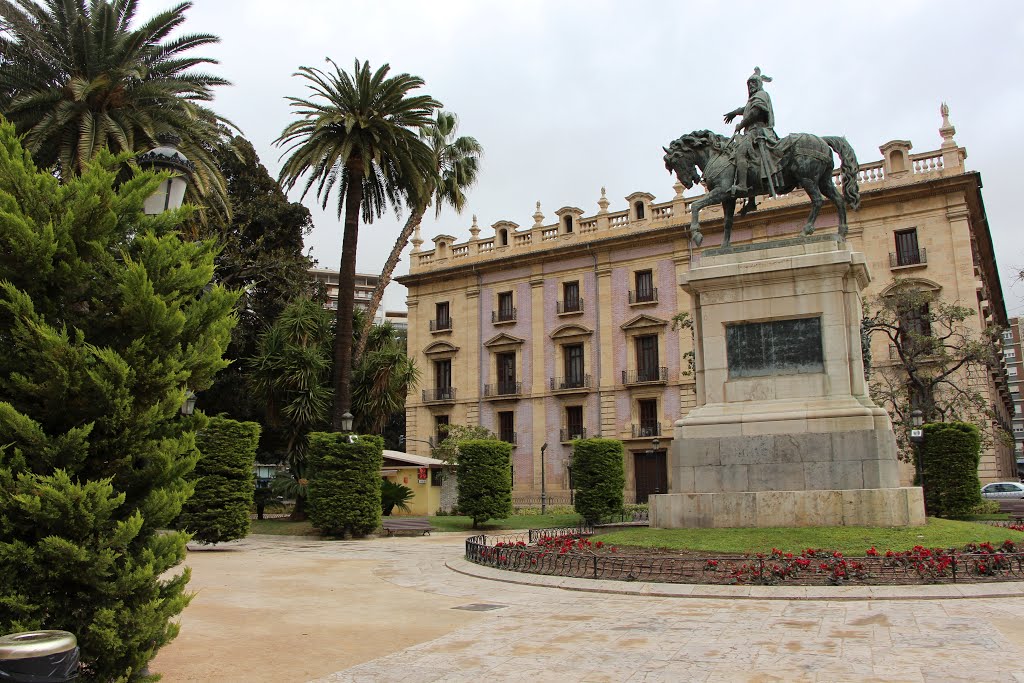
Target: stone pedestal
[785,433]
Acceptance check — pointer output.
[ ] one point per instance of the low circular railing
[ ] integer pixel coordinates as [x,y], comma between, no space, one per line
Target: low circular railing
[573,552]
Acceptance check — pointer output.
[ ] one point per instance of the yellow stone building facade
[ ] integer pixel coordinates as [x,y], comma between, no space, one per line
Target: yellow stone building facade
[565,328]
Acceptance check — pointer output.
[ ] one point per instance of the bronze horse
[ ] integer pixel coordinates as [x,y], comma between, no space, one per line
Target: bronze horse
[806,161]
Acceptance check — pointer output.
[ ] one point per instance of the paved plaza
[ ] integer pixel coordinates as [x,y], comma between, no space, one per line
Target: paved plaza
[275,608]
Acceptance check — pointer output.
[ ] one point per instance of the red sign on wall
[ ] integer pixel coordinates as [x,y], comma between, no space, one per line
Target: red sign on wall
[422,475]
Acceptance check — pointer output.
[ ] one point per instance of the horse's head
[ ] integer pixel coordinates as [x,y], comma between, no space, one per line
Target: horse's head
[681,160]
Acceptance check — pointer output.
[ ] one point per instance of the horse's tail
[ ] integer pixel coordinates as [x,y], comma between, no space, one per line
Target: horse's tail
[848,170]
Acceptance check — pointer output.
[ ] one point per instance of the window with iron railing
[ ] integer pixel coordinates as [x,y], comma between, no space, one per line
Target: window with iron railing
[573,424]
[571,301]
[647,411]
[647,367]
[442,317]
[506,311]
[645,291]
[907,253]
[573,363]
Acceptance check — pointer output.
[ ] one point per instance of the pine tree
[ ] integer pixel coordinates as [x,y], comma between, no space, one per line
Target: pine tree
[106,320]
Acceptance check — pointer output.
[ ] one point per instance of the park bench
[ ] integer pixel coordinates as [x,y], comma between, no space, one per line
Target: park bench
[393,524]
[1014,508]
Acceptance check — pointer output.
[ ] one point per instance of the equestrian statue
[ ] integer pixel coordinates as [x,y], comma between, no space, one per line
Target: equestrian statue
[755,161]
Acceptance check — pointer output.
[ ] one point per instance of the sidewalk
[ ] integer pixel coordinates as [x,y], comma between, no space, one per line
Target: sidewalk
[278,608]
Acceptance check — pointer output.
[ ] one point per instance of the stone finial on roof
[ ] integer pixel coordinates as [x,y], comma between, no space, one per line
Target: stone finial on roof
[416,239]
[474,230]
[603,201]
[678,187]
[538,217]
[947,131]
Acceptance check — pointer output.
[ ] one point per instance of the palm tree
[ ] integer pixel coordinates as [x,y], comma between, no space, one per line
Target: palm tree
[381,378]
[290,374]
[360,134]
[75,77]
[456,162]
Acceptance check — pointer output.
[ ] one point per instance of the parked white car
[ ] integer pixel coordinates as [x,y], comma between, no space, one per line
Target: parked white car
[1003,490]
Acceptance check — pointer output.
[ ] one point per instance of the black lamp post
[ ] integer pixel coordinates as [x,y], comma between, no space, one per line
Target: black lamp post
[917,438]
[543,487]
[572,486]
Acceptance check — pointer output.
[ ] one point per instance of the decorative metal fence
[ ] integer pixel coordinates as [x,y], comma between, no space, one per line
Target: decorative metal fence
[571,552]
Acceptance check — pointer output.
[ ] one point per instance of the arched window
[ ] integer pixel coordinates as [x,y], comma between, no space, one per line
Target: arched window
[568,223]
[639,206]
[503,238]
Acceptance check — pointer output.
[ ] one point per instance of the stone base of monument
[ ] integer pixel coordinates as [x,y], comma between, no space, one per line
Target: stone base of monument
[785,433]
[852,507]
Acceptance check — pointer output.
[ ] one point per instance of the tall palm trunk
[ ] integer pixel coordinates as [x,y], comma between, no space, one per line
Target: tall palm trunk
[346,297]
[385,277]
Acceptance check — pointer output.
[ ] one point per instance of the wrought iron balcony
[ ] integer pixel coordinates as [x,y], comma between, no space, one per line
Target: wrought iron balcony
[439,395]
[645,429]
[503,389]
[506,315]
[509,437]
[643,296]
[569,306]
[570,383]
[898,259]
[572,433]
[645,375]
[440,325]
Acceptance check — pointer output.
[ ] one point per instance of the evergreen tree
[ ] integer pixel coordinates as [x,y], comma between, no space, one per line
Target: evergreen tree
[485,479]
[224,480]
[106,320]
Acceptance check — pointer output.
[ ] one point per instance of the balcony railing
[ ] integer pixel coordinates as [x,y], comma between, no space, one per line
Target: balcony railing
[566,383]
[439,395]
[441,324]
[898,259]
[645,375]
[572,433]
[505,315]
[569,306]
[503,389]
[509,437]
[645,429]
[643,296]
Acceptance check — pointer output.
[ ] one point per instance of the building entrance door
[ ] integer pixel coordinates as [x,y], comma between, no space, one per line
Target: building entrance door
[650,473]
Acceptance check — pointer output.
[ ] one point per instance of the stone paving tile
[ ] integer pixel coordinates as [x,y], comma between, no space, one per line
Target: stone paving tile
[548,634]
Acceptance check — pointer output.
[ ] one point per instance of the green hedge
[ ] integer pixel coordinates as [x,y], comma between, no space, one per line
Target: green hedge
[949,456]
[599,476]
[344,483]
[219,509]
[484,479]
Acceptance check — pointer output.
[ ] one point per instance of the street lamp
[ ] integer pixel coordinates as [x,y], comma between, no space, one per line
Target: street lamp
[167,157]
[346,421]
[655,443]
[543,489]
[917,438]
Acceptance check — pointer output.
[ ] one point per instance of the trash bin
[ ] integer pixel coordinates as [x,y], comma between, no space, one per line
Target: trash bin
[38,657]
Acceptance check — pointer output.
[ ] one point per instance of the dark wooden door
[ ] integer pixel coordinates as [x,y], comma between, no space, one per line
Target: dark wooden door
[651,474]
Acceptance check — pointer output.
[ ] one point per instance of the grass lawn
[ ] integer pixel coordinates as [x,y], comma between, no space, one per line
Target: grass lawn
[456,523]
[282,527]
[853,541]
[285,527]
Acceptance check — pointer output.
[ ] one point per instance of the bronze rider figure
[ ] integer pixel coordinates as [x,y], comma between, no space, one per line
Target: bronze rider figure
[756,142]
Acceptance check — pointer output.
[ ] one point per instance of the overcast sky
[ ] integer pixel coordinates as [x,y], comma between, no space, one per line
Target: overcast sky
[569,96]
